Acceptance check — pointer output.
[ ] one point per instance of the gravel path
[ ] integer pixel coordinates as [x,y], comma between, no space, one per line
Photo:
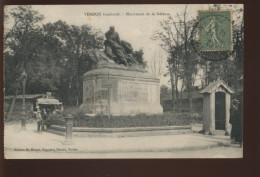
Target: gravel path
[30,144]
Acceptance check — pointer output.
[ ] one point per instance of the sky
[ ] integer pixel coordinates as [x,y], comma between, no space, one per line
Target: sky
[137,30]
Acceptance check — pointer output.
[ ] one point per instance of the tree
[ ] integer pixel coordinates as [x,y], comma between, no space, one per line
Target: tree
[31,49]
[75,43]
[177,38]
[54,55]
[164,92]
[20,42]
[230,69]
[168,44]
[138,55]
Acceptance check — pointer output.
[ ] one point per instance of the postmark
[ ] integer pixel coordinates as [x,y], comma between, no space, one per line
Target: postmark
[215,30]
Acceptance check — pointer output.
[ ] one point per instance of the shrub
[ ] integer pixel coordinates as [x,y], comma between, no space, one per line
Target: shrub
[141,120]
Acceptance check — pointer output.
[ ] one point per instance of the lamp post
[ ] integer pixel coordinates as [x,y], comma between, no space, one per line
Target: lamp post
[23,119]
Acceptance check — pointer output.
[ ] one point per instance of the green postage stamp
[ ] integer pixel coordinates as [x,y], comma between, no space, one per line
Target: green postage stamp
[215,30]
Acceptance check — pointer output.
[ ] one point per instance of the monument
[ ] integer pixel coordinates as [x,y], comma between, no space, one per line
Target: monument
[119,85]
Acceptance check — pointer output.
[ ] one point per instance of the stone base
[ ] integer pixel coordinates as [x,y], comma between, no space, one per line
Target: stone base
[120,90]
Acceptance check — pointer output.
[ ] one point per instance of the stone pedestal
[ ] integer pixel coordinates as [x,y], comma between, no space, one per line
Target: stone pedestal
[119,90]
[69,130]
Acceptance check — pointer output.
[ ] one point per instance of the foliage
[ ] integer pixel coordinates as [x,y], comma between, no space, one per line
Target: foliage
[141,120]
[53,55]
[75,41]
[177,39]
[164,92]
[21,44]
[231,69]
[138,55]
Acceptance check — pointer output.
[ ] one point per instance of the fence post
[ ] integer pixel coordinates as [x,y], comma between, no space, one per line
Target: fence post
[69,129]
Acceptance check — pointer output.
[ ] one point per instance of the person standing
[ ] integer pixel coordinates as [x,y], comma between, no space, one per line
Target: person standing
[40,123]
[236,120]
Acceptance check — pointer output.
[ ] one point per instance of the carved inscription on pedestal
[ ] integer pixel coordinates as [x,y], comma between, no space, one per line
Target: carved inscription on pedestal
[131,92]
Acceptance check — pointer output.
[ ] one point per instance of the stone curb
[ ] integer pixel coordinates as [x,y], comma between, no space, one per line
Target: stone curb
[112,130]
[150,150]
[157,150]
[121,134]
[220,144]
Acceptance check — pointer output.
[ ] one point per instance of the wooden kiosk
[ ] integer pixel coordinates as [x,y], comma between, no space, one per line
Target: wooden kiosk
[216,107]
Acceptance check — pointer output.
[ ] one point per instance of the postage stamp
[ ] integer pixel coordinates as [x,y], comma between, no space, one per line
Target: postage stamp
[215,30]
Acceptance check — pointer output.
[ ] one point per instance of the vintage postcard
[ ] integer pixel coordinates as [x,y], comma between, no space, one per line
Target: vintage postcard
[123,81]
